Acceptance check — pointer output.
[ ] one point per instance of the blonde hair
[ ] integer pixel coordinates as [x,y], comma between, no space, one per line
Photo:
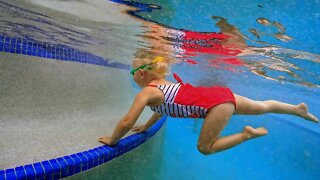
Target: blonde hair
[158,61]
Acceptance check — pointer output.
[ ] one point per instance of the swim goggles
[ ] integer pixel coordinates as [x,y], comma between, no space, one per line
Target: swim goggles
[156,59]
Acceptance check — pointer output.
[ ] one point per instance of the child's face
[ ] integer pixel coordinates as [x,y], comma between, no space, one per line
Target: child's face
[138,75]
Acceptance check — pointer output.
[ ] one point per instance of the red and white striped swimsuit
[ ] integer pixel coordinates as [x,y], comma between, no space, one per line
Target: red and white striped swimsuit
[185,100]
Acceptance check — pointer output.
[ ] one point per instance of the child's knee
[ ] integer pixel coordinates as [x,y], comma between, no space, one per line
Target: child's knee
[204,149]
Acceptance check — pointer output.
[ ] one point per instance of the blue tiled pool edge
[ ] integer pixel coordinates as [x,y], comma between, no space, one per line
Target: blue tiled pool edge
[75,163]
[31,47]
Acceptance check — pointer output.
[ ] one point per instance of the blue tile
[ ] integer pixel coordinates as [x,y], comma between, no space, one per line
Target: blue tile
[13,41]
[71,165]
[40,53]
[122,147]
[64,167]
[24,47]
[111,152]
[12,48]
[90,159]
[30,171]
[83,57]
[34,47]
[10,174]
[55,168]
[65,54]
[100,155]
[18,49]
[132,139]
[50,54]
[70,52]
[133,146]
[24,41]
[28,46]
[29,50]
[1,174]
[53,54]
[105,153]
[95,157]
[60,53]
[72,58]
[20,172]
[77,57]
[7,39]
[7,46]
[48,171]
[84,161]
[39,50]
[19,41]
[24,51]
[39,170]
[57,55]
[106,63]
[44,54]
[29,43]
[77,162]
[114,152]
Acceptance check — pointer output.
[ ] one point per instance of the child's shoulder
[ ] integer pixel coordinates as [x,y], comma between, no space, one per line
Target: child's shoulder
[152,95]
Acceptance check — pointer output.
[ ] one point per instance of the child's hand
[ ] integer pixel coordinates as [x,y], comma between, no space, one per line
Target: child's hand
[107,140]
[139,129]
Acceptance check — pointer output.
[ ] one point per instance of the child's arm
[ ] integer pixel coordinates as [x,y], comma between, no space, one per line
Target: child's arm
[154,118]
[127,122]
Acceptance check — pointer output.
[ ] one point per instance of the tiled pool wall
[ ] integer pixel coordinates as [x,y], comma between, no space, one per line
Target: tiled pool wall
[81,161]
[30,47]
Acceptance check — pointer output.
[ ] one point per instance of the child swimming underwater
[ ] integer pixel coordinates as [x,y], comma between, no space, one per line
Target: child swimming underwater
[214,104]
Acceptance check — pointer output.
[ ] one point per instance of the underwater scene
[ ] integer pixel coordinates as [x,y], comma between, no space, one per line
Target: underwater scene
[65,81]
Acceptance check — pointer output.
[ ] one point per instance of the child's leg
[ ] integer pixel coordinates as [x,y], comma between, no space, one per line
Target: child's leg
[217,118]
[250,107]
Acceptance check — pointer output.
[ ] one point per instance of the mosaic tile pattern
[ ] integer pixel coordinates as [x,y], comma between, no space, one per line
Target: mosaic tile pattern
[71,164]
[31,47]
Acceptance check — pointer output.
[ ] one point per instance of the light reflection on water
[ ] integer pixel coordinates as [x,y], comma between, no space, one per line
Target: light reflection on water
[227,48]
[264,49]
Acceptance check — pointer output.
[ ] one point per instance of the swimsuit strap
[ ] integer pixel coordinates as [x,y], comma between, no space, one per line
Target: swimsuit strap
[177,78]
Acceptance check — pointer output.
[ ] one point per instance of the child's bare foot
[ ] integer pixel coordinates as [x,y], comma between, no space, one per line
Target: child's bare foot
[251,133]
[303,112]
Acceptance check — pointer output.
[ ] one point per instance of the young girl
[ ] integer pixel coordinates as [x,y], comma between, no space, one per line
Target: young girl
[215,104]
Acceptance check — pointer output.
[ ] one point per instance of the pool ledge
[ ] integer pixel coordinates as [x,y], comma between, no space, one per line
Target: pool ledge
[75,163]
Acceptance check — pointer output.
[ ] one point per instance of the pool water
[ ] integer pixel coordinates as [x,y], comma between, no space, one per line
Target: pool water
[289,151]
[276,56]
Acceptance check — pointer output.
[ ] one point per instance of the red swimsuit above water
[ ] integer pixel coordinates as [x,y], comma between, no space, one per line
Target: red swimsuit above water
[185,100]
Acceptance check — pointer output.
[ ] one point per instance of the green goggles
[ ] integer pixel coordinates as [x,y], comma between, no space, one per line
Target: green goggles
[141,67]
[155,60]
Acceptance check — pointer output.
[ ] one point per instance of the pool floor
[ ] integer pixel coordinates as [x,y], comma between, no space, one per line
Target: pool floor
[54,108]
